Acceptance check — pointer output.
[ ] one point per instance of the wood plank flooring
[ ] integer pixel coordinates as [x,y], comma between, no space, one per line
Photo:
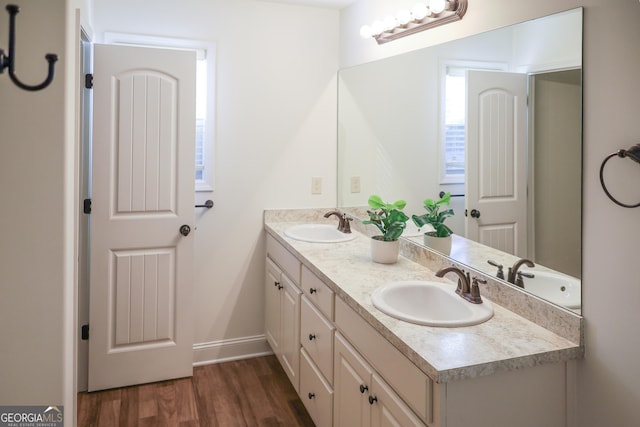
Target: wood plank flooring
[244,393]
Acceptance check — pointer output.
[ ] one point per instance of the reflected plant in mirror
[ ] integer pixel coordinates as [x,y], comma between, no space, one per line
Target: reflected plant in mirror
[496,119]
[440,237]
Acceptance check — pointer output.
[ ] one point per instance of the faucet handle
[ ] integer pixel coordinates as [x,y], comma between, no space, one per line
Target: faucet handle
[500,273]
[475,297]
[521,274]
[346,227]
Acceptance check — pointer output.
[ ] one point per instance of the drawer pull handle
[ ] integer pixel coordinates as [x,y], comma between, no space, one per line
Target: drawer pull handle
[312,290]
[312,337]
[363,388]
[372,400]
[276,283]
[311,395]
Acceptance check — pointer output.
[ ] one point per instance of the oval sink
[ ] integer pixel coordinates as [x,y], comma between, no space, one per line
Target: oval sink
[555,287]
[318,233]
[429,303]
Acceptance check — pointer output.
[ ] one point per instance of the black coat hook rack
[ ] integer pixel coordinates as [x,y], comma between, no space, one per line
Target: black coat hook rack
[8,61]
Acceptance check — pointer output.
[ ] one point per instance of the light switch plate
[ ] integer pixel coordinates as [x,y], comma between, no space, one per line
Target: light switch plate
[316,185]
[355,184]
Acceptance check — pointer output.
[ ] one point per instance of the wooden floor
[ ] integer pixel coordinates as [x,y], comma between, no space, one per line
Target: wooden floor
[243,393]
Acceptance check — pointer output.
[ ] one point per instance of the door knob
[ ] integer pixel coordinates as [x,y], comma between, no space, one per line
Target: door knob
[475,213]
[185,230]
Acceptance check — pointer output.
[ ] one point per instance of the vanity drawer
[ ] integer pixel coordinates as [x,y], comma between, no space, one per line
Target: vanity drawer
[409,382]
[316,337]
[317,292]
[285,259]
[315,392]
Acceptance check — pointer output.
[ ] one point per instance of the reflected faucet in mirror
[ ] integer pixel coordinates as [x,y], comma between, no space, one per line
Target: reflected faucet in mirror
[514,276]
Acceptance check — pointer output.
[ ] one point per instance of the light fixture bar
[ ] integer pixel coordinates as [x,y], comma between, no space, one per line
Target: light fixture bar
[453,11]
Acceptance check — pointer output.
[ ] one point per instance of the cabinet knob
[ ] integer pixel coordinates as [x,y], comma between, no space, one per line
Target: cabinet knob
[311,395]
[372,400]
[363,388]
[276,283]
[313,290]
[312,337]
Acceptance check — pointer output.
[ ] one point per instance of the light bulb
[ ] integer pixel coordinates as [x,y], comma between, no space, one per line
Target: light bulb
[420,11]
[390,23]
[377,28]
[366,31]
[403,16]
[437,6]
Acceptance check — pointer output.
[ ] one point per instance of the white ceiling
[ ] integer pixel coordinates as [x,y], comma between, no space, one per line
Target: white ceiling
[331,4]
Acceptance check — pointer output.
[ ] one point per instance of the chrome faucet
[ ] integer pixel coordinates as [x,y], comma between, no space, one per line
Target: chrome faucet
[343,220]
[514,276]
[467,288]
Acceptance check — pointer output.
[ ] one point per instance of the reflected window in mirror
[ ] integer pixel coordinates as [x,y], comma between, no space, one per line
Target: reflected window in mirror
[453,120]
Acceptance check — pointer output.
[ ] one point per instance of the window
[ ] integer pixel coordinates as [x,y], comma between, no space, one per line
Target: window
[454,124]
[205,57]
[453,119]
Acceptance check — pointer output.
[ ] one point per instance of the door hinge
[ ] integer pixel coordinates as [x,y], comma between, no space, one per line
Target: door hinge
[85,332]
[88,81]
[87,206]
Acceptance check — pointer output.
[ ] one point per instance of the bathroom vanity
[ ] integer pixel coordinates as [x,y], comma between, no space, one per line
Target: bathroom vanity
[353,365]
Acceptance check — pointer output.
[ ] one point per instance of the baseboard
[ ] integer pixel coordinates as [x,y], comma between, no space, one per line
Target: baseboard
[232,349]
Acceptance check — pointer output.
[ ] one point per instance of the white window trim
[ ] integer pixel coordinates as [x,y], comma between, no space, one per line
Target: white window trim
[470,64]
[207,183]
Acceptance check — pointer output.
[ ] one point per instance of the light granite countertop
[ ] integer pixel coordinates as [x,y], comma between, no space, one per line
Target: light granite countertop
[506,342]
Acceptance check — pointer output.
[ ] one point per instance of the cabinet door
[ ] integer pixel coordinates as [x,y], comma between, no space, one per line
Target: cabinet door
[352,380]
[272,305]
[387,409]
[290,330]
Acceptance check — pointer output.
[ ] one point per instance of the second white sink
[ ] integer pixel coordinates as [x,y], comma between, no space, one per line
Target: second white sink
[430,304]
[318,233]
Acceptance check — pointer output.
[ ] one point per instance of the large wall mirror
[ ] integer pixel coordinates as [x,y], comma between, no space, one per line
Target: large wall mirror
[495,120]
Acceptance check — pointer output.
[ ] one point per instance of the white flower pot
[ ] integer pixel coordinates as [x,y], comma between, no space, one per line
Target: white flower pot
[440,244]
[384,252]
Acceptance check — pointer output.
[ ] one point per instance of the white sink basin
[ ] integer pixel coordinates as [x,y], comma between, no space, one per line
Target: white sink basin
[318,233]
[429,303]
[555,287]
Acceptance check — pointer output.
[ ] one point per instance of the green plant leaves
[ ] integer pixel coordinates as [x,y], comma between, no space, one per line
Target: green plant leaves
[434,216]
[387,217]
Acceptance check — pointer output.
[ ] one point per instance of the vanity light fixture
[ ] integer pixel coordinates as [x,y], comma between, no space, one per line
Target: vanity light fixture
[423,15]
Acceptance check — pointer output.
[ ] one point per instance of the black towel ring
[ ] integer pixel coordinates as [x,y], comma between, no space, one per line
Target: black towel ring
[634,154]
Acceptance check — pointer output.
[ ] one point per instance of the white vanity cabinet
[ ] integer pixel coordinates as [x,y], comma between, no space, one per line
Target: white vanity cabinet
[282,308]
[362,359]
[348,374]
[362,397]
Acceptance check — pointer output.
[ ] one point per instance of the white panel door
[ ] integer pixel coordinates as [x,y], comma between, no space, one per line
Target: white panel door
[496,161]
[141,321]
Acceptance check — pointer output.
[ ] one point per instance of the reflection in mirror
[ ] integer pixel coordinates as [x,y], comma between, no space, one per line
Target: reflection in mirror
[507,143]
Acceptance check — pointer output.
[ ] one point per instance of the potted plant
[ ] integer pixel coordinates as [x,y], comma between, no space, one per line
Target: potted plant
[391,221]
[440,238]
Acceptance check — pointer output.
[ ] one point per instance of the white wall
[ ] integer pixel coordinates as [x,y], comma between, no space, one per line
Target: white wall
[275,113]
[608,378]
[37,188]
